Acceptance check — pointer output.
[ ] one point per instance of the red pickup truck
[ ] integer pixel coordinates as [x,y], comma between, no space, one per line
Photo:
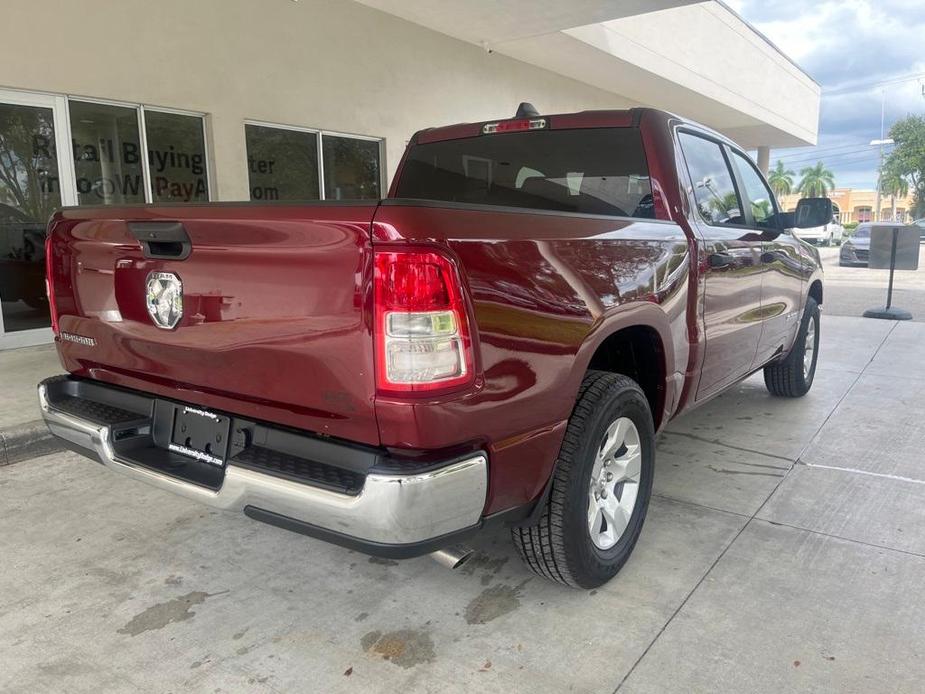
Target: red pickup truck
[498,341]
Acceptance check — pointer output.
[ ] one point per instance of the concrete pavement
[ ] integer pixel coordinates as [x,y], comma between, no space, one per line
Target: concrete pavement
[22,432]
[784,551]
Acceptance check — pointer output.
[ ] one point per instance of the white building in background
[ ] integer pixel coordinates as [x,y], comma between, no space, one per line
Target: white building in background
[107,102]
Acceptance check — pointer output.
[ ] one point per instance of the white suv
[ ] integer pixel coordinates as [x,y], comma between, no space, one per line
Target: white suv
[827,234]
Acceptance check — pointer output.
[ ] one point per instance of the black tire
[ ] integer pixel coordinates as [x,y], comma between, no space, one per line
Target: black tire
[559,547]
[787,378]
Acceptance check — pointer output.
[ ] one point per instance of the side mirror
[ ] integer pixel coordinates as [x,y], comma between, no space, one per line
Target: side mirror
[813,212]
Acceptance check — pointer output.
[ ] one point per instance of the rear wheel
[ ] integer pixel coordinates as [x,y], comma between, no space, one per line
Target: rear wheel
[793,376]
[600,488]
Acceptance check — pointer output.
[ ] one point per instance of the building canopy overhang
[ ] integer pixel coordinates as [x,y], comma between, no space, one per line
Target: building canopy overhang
[698,59]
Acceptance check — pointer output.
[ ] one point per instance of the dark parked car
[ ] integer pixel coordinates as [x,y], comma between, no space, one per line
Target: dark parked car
[498,341]
[855,251]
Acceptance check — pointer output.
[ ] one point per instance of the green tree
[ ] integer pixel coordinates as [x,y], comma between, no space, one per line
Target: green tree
[28,176]
[907,160]
[781,179]
[894,185]
[817,181]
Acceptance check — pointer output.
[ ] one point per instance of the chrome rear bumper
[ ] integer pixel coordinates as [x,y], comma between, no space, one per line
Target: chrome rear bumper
[390,509]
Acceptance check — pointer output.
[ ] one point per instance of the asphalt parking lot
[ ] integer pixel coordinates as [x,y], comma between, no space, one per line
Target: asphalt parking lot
[784,551]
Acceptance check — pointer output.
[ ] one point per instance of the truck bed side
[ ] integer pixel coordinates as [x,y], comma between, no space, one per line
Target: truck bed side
[547,290]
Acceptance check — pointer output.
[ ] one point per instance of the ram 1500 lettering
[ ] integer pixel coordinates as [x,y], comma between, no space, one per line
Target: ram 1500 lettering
[498,341]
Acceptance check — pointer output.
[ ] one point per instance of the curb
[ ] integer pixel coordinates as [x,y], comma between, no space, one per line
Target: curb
[25,441]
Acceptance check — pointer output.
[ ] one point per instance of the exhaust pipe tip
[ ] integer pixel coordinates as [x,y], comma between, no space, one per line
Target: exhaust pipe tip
[452,557]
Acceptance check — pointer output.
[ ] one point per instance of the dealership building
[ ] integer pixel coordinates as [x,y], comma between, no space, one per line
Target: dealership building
[222,100]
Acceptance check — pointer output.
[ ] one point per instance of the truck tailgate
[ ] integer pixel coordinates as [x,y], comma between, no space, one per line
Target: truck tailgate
[275,321]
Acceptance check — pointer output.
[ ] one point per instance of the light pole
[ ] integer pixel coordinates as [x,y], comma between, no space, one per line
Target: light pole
[881,142]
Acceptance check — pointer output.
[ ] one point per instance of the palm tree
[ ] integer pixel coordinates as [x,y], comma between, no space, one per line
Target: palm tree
[816,182]
[895,186]
[781,179]
[761,209]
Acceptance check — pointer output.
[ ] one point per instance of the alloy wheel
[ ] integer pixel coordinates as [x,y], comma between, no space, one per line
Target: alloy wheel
[614,484]
[809,348]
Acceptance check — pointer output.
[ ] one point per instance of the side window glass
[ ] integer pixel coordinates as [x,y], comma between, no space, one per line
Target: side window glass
[713,187]
[759,196]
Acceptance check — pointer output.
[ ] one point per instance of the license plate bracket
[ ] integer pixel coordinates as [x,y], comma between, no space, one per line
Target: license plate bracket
[200,434]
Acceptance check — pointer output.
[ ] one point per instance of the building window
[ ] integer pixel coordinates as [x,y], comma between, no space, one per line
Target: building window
[176,157]
[110,162]
[351,168]
[107,154]
[283,164]
[864,214]
[29,191]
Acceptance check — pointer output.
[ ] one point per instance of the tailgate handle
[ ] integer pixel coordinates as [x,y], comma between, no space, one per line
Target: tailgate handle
[166,240]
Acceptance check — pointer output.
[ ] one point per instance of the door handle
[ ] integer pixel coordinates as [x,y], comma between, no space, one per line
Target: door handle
[165,240]
[720,260]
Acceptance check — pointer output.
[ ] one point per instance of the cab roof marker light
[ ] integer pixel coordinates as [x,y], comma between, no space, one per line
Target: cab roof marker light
[507,126]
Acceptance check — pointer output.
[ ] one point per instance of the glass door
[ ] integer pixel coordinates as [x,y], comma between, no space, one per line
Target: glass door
[35,179]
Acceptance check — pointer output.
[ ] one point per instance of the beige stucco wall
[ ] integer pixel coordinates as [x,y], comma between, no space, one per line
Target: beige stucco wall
[329,64]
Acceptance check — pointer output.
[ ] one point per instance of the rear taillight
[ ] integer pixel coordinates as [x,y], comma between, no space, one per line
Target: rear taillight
[50,283]
[423,341]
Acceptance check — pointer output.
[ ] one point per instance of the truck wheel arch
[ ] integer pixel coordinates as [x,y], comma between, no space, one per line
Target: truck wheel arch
[815,290]
[645,324]
[636,343]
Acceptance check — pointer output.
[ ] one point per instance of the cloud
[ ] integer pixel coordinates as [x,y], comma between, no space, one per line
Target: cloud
[850,47]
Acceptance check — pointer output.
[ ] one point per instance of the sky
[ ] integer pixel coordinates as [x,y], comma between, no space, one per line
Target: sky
[855,50]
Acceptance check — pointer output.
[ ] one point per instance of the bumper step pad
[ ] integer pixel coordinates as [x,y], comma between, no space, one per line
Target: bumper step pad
[298,469]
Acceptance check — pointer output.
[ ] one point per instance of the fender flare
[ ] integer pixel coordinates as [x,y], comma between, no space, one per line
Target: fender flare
[631,315]
[816,276]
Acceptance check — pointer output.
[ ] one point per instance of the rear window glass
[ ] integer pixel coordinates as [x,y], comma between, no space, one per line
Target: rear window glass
[593,171]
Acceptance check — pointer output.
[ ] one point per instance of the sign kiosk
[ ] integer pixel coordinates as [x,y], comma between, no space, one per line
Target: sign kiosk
[893,247]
